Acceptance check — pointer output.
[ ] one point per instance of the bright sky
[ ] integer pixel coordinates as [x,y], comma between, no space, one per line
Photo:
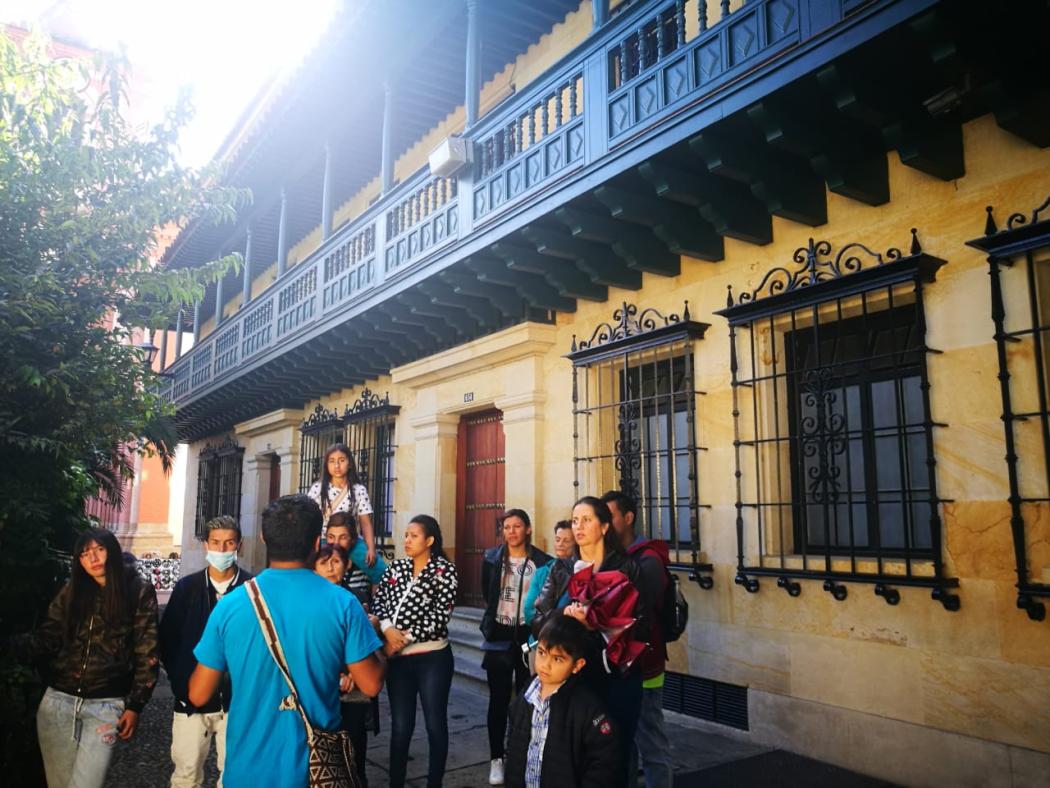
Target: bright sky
[223,50]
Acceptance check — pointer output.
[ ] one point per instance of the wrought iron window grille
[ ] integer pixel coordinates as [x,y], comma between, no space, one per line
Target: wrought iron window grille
[367,429]
[634,424]
[219,473]
[833,435]
[1019,271]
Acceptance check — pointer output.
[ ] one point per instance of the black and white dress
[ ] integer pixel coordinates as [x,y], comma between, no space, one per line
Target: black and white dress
[354,503]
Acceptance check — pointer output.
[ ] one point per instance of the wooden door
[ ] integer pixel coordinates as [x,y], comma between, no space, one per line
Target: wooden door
[275,478]
[479,497]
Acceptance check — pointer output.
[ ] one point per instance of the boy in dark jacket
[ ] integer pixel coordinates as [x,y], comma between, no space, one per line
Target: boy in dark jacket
[559,733]
[191,603]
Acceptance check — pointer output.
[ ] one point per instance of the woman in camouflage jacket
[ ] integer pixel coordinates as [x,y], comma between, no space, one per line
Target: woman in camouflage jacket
[99,648]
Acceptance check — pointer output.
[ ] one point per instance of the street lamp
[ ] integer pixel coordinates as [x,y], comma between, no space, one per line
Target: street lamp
[149,353]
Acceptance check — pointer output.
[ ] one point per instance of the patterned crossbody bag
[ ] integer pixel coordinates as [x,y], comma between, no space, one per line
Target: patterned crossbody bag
[331,761]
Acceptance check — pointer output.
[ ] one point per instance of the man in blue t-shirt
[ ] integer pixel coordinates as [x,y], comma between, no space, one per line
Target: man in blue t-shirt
[323,630]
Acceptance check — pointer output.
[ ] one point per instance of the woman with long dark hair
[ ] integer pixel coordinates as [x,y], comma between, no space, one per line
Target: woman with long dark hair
[340,490]
[414,602]
[599,549]
[507,572]
[100,645]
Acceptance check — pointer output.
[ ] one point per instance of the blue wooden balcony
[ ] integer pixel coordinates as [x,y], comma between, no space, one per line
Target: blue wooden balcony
[655,138]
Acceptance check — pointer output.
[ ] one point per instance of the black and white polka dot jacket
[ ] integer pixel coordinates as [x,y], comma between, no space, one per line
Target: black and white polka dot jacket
[420,606]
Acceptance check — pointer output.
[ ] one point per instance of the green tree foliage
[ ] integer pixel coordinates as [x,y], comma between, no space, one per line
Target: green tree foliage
[82,196]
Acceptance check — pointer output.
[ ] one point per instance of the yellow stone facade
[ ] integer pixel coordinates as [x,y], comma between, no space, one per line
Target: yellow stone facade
[975,683]
[913,693]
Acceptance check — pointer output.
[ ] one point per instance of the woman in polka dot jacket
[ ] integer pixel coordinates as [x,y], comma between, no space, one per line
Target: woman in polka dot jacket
[414,602]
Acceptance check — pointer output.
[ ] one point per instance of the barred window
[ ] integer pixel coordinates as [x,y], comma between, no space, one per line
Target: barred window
[833,432]
[634,412]
[1019,263]
[856,438]
[218,483]
[367,429]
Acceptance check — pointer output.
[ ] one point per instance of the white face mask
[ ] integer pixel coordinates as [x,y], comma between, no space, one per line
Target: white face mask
[221,561]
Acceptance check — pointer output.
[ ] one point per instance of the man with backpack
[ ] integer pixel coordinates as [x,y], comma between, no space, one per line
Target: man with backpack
[652,557]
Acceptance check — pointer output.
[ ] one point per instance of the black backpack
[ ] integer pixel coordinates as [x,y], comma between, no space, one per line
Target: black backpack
[674,610]
[674,615]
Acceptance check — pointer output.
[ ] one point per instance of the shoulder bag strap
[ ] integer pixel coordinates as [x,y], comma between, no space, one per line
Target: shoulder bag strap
[328,507]
[262,613]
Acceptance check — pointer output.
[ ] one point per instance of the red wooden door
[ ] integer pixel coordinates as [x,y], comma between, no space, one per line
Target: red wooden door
[479,497]
[275,477]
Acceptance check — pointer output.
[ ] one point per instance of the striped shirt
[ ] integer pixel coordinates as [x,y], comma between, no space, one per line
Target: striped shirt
[541,717]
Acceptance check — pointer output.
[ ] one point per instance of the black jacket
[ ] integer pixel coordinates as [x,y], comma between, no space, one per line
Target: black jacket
[181,628]
[102,660]
[491,577]
[582,749]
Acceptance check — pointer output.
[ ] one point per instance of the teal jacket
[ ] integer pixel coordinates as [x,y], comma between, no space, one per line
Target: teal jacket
[357,557]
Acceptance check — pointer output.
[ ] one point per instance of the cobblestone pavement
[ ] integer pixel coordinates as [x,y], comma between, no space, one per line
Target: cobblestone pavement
[702,758]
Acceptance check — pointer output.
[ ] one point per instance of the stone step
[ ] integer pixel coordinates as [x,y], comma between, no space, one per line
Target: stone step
[466,640]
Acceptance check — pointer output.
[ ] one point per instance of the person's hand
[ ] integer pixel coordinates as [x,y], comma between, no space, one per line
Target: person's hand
[395,641]
[127,724]
[577,611]
[370,556]
[346,682]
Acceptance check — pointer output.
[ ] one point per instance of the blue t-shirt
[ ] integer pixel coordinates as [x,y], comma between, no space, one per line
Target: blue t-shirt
[322,628]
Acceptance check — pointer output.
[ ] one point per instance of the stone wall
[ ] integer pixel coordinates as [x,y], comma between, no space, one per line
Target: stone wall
[912,692]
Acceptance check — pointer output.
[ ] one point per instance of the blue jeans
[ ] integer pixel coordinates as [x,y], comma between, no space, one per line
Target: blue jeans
[428,676]
[651,743]
[77,737]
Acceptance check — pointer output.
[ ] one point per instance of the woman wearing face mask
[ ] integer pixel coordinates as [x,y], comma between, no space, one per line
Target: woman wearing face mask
[340,490]
[100,644]
[414,602]
[192,600]
[507,572]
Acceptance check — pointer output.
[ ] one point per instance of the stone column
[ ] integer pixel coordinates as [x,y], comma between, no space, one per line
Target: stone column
[192,555]
[177,503]
[255,484]
[435,473]
[522,422]
[289,466]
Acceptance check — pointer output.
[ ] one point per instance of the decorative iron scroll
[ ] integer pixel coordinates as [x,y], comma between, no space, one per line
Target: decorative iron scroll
[1015,220]
[367,402]
[627,322]
[321,417]
[816,266]
[228,444]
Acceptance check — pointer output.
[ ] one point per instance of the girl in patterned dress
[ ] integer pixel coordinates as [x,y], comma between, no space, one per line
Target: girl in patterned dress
[340,490]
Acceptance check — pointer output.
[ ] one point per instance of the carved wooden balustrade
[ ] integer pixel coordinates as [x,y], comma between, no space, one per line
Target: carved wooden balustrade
[654,65]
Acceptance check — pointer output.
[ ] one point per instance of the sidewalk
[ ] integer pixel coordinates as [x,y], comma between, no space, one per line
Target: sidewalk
[701,758]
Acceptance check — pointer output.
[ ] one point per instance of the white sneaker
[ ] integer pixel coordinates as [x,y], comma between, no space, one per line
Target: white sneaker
[496,772]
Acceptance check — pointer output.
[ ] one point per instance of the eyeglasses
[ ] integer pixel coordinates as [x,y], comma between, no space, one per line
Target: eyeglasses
[96,551]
